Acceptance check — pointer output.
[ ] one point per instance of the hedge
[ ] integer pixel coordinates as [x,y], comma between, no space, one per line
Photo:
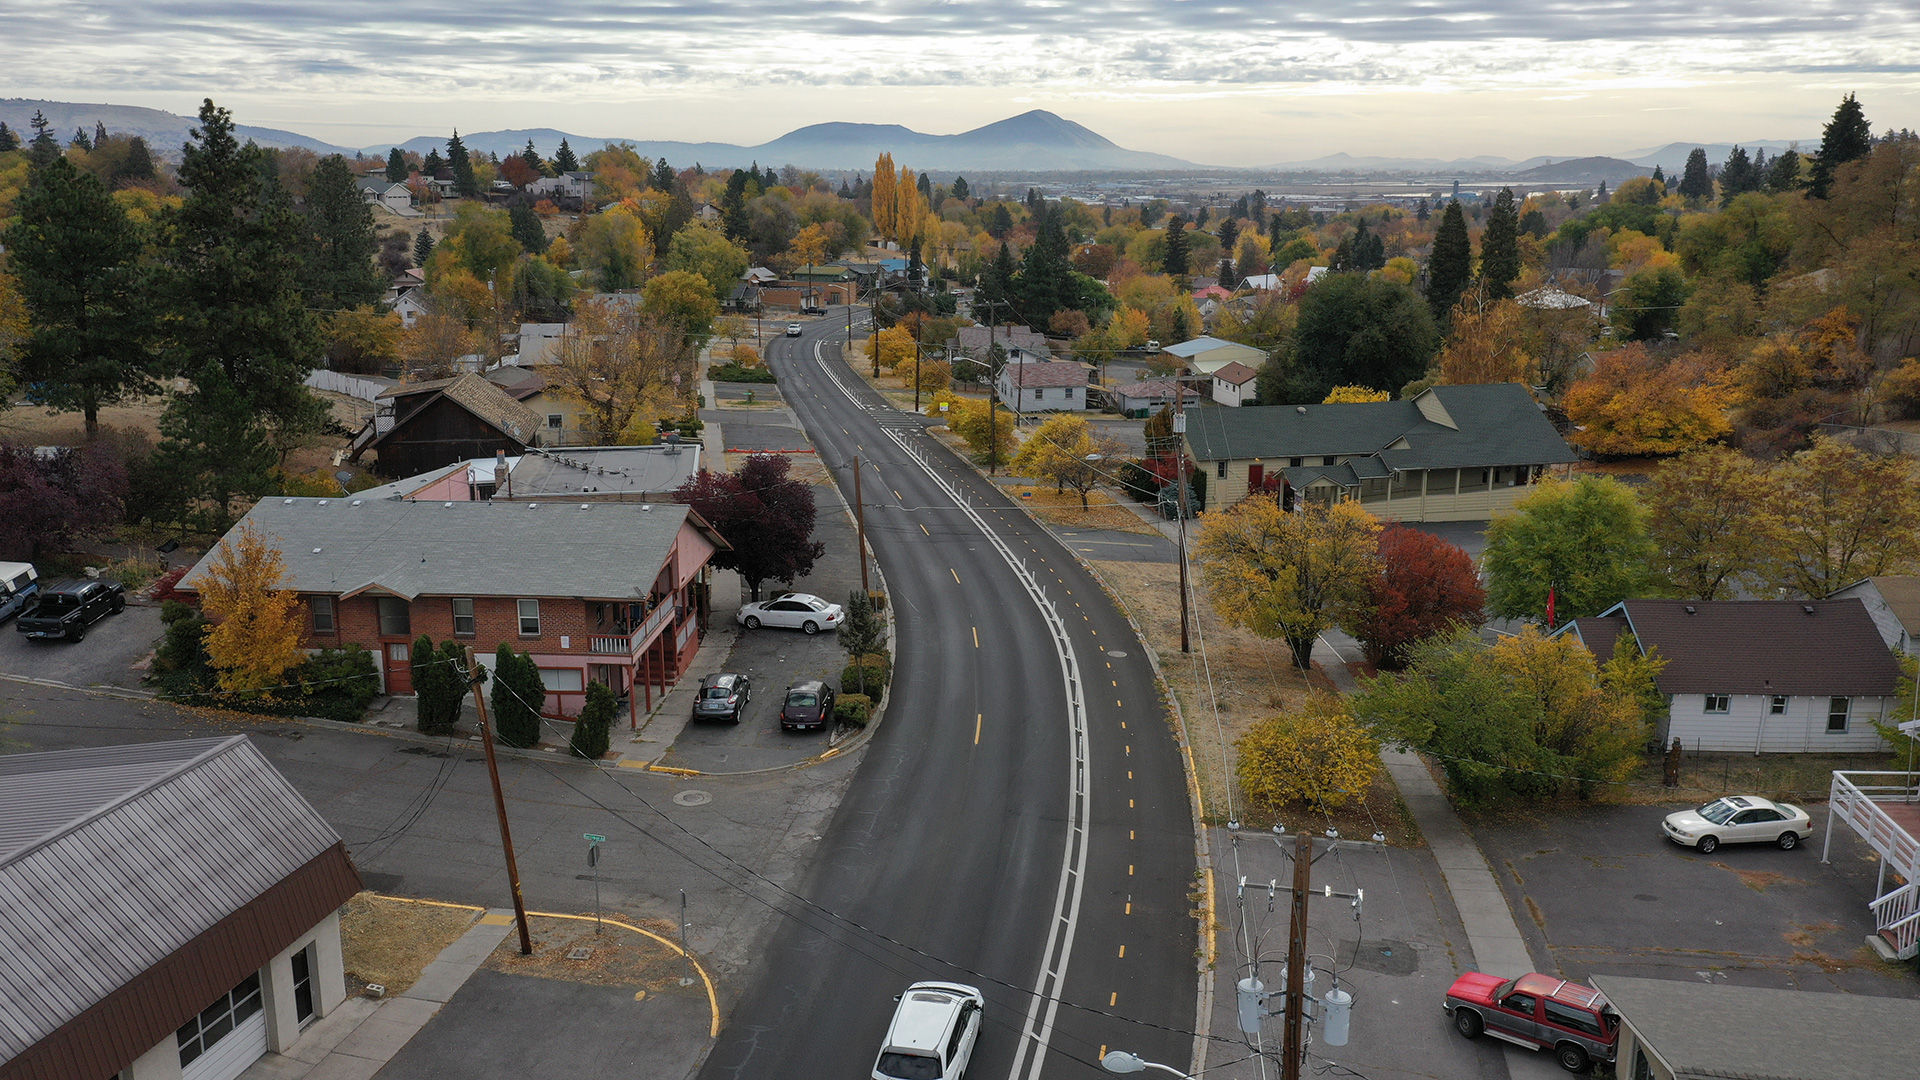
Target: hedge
[853,709]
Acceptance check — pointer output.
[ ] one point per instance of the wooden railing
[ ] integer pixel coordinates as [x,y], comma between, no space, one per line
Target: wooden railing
[629,645]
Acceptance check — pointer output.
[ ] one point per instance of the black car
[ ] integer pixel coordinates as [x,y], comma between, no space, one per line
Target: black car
[723,696]
[67,609]
[809,705]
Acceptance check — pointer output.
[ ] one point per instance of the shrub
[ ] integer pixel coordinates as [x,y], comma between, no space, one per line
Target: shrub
[163,587]
[866,675]
[1140,482]
[1316,753]
[862,632]
[590,728]
[517,697]
[439,683]
[734,372]
[853,709]
[180,664]
[337,684]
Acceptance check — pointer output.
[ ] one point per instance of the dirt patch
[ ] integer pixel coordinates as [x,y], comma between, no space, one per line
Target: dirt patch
[39,426]
[570,950]
[1062,509]
[1795,778]
[1759,880]
[1804,934]
[389,941]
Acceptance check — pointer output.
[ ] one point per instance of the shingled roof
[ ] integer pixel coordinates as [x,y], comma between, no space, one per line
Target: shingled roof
[483,399]
[1794,647]
[1046,374]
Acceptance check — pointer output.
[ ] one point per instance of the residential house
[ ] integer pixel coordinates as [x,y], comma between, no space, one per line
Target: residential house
[760,276]
[614,593]
[820,284]
[1759,676]
[573,186]
[1894,603]
[1673,1029]
[744,296]
[1206,355]
[1452,453]
[580,474]
[1137,399]
[1261,282]
[172,911]
[384,193]
[1236,384]
[708,213]
[978,343]
[410,305]
[443,421]
[1042,386]
[540,343]
[563,418]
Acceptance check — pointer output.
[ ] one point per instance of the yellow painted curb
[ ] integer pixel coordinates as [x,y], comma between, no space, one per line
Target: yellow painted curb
[713,999]
[673,771]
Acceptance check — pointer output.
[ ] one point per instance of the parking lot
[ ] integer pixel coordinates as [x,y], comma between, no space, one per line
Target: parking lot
[106,658]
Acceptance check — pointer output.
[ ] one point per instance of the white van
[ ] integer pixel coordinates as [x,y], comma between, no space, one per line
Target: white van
[19,588]
[932,1034]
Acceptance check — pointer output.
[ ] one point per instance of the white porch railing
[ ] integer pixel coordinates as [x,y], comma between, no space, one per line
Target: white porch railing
[1897,918]
[1859,799]
[629,645]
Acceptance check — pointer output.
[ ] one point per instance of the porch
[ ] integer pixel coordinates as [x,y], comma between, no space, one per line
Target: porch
[1884,809]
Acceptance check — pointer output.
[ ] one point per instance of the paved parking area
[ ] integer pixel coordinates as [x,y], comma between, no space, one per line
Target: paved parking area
[106,658]
[1599,890]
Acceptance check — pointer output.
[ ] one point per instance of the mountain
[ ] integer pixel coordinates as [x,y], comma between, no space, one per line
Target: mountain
[1037,141]
[164,131]
[1672,158]
[1585,171]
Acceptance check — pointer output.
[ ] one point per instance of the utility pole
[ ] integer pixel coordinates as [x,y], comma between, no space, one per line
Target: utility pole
[1296,1002]
[916,373]
[860,523]
[993,430]
[499,806]
[1180,479]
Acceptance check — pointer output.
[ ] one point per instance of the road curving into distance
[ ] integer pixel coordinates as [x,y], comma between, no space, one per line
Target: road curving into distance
[1021,820]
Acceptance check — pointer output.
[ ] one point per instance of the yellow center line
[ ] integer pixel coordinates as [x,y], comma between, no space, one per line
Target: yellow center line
[1129,869]
[1130,835]
[1123,952]
[1129,774]
[1113,999]
[1129,907]
[976,729]
[955,573]
[923,529]
[976,636]
[1129,804]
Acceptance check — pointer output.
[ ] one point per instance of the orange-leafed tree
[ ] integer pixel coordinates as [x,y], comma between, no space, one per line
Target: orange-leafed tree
[1636,402]
[254,637]
[1487,344]
[515,170]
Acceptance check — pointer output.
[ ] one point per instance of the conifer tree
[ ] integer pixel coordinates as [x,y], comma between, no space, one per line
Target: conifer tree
[563,159]
[527,229]
[99,133]
[532,158]
[137,167]
[81,140]
[1696,186]
[926,187]
[462,164]
[43,148]
[1229,233]
[396,166]
[1175,261]
[1422,212]
[960,190]
[1450,266]
[1736,177]
[1847,136]
[1784,174]
[1228,279]
[1500,247]
[8,139]
[433,164]
[422,247]
[340,243]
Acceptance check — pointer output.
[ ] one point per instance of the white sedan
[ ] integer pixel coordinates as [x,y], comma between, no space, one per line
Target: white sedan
[793,329]
[1739,819]
[796,611]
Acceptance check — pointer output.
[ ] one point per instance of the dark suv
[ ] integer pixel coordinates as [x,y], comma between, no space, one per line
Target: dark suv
[723,696]
[809,705]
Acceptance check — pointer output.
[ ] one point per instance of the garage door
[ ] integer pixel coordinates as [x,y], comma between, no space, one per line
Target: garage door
[226,1037]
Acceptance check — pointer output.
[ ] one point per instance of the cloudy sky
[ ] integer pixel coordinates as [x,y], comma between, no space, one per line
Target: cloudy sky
[1215,81]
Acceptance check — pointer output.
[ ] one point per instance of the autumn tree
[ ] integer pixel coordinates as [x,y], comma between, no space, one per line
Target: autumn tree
[619,365]
[682,303]
[766,516]
[1351,395]
[1422,586]
[987,430]
[254,637]
[1585,541]
[1841,514]
[1067,450]
[891,348]
[885,207]
[48,499]
[1487,343]
[1288,575]
[702,250]
[363,340]
[1640,402]
[614,247]
[1314,753]
[1708,524]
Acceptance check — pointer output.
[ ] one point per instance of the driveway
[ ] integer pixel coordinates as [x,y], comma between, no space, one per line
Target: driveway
[106,658]
[1599,890]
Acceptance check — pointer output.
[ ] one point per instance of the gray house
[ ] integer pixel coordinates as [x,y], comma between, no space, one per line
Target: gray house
[1894,603]
[1689,1030]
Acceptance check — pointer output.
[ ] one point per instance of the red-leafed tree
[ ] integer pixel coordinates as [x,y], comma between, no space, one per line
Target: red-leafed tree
[1424,586]
[47,500]
[766,515]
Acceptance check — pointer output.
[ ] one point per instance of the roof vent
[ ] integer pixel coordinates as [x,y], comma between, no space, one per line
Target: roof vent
[355,502]
[1691,611]
[533,506]
[322,502]
[646,506]
[1808,608]
[316,551]
[583,506]
[448,505]
[1301,409]
[287,502]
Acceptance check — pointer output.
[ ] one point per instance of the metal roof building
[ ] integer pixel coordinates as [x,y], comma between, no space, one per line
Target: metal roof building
[171,903]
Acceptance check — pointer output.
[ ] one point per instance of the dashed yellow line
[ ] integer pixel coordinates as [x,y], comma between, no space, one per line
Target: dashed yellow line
[976,636]
[955,573]
[923,529]
[976,729]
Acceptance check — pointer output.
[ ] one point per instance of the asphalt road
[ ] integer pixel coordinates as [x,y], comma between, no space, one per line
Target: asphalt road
[982,839]
[106,658]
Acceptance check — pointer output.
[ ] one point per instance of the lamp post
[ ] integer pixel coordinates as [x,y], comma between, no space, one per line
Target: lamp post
[1119,1061]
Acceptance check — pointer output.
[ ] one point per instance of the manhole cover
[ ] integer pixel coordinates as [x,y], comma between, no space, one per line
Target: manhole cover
[693,798]
[580,953]
[1116,652]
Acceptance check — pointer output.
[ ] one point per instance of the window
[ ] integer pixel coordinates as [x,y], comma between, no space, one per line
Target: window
[303,984]
[568,678]
[1220,470]
[394,618]
[556,421]
[1716,703]
[217,1020]
[1294,463]
[463,617]
[529,618]
[1778,706]
[1837,709]
[1328,461]
[1569,1017]
[1520,1003]
[322,608]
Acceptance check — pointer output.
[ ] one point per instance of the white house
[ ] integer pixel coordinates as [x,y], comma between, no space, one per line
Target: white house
[1206,355]
[1059,386]
[1236,384]
[1262,282]
[382,192]
[410,305]
[1760,676]
[568,185]
[1894,603]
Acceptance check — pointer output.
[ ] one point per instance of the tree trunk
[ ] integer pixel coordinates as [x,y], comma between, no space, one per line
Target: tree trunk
[1302,652]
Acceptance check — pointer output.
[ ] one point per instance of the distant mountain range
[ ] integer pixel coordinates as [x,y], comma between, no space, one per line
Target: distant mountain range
[1672,158]
[164,131]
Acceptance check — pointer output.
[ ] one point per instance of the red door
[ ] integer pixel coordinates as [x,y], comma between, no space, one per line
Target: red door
[399,667]
[1256,476]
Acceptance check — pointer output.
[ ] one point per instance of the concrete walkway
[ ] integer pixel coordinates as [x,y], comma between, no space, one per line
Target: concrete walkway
[356,1040]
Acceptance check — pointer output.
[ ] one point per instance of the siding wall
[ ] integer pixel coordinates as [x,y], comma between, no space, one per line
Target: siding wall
[1406,500]
[1748,727]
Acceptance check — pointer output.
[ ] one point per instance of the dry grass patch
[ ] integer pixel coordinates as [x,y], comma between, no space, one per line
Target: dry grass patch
[615,956]
[1062,509]
[389,941]
[1794,778]
[1759,880]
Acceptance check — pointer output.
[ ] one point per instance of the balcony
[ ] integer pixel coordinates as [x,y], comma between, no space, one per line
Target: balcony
[629,645]
[1884,808]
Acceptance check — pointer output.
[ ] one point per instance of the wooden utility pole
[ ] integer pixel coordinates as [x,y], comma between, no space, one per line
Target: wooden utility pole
[1180,480]
[916,373]
[860,523]
[1292,1046]
[500,806]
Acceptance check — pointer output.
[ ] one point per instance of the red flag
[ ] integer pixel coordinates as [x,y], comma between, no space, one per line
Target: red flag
[1549,607]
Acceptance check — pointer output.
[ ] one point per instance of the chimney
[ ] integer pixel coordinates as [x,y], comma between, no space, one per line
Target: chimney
[502,476]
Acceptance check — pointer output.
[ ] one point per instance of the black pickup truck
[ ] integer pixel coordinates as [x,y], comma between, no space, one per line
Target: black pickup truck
[67,609]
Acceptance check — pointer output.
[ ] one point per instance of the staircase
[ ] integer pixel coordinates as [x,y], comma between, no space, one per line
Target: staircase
[1884,809]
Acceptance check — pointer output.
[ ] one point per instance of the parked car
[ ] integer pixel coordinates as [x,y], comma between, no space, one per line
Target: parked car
[793,329]
[932,1035]
[1539,1012]
[19,588]
[723,696]
[808,705]
[67,609]
[1738,819]
[796,611]
[812,309]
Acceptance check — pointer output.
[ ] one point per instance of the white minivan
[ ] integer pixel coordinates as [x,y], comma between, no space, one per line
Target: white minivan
[19,588]
[932,1034]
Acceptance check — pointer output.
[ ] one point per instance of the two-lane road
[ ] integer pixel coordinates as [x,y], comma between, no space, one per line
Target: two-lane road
[1021,821]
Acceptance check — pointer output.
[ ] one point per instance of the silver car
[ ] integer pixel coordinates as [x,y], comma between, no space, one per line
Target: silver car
[1739,819]
[723,696]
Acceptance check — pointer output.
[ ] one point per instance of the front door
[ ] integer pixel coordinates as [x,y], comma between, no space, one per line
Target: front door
[399,667]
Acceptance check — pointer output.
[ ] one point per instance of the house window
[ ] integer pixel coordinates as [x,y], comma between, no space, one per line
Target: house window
[556,421]
[394,619]
[1837,709]
[322,608]
[217,1021]
[463,618]
[303,984]
[1294,463]
[1778,706]
[566,679]
[1716,703]
[529,618]
[1328,461]
[1220,470]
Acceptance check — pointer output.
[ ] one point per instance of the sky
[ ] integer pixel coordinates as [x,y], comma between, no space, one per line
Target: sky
[1219,82]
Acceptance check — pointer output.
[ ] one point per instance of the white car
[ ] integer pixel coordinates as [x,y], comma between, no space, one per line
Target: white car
[932,1034]
[793,329]
[795,611]
[1739,819]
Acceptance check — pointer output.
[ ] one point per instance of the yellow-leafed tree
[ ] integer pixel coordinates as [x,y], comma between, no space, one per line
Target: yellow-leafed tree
[884,206]
[254,637]
[1355,395]
[1316,753]
[1287,574]
[908,208]
[1068,451]
[1639,403]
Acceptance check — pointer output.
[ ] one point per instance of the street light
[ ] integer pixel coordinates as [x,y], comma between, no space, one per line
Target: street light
[1119,1061]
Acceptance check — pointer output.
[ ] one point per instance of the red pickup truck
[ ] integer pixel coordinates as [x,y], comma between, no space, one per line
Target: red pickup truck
[1539,1012]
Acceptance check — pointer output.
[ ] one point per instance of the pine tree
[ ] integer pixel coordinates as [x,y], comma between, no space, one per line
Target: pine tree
[997,280]
[1600,193]
[1046,282]
[99,133]
[1784,174]
[926,187]
[462,164]
[1175,261]
[422,247]
[527,229]
[431,167]
[43,148]
[563,159]
[532,158]
[8,139]
[396,166]
[1229,233]
[663,176]
[340,243]
[81,140]
[1736,177]
[1450,266]
[960,190]
[137,167]
[1696,185]
[1847,136]
[1228,279]
[1500,247]
[1423,211]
